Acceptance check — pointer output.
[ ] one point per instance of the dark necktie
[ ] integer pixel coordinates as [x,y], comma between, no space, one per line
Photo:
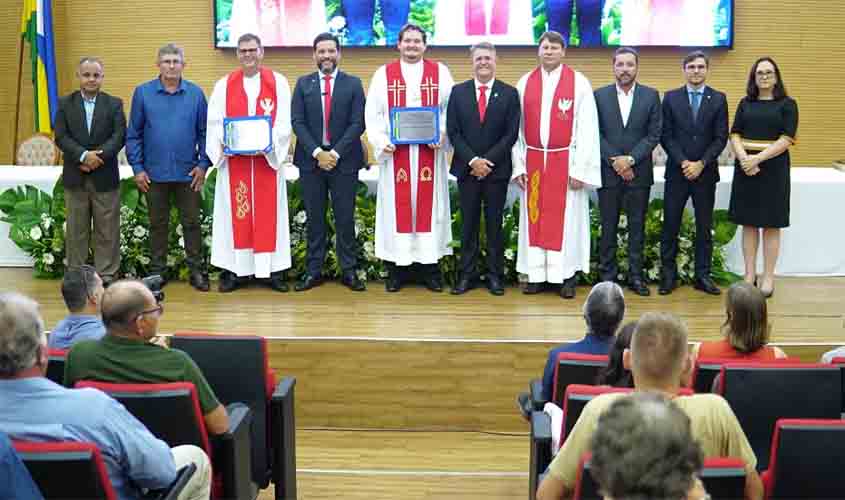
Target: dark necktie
[695,98]
[482,102]
[327,105]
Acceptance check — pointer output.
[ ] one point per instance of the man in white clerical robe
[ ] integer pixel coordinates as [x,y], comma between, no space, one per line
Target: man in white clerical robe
[555,160]
[250,235]
[413,221]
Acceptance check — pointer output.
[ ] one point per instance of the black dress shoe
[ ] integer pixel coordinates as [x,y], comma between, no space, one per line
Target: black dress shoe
[567,290]
[392,283]
[706,285]
[667,285]
[532,288]
[494,284]
[199,281]
[350,280]
[228,282]
[278,282]
[462,287]
[434,283]
[308,282]
[639,287]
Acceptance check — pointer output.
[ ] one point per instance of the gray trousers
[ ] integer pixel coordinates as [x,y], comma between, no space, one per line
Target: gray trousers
[89,209]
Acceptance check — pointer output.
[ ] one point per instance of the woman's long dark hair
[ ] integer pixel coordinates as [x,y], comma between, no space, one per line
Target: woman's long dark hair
[752,93]
[614,373]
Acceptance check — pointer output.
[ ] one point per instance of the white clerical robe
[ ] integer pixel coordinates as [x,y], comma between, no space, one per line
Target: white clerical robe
[584,165]
[244,262]
[450,24]
[404,249]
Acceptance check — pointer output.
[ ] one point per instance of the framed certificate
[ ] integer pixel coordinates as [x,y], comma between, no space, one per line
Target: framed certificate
[248,135]
[419,125]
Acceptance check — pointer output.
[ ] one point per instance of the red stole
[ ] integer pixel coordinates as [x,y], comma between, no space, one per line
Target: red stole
[548,170]
[253,210]
[475,20]
[396,91]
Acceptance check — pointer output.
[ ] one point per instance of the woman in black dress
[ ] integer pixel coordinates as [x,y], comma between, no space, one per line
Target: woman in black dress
[764,128]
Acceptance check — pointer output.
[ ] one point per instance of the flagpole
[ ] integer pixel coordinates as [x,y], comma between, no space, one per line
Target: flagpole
[18,101]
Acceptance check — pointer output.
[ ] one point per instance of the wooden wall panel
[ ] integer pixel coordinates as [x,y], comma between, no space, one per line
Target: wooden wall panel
[800,35]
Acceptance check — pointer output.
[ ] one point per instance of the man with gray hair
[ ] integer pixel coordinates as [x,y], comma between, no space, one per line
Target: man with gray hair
[165,144]
[34,408]
[659,360]
[604,310]
[82,290]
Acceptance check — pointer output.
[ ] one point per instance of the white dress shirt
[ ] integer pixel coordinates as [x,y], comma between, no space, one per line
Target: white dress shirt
[625,102]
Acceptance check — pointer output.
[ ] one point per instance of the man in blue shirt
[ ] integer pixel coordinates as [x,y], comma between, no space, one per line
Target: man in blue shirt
[82,290]
[33,408]
[165,144]
[15,481]
[604,311]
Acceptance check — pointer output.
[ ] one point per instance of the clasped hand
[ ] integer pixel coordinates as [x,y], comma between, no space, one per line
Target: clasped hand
[622,167]
[750,165]
[326,161]
[692,169]
[480,168]
[91,161]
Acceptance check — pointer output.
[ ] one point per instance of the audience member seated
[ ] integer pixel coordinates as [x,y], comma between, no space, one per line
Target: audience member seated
[658,358]
[35,409]
[746,328]
[82,290]
[643,448]
[616,374]
[15,481]
[829,356]
[127,353]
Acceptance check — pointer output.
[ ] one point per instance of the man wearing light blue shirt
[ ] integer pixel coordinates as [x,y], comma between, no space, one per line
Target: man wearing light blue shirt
[82,291]
[33,408]
[165,144]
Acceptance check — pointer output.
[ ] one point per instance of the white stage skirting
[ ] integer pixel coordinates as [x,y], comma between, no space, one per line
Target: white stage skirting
[812,246]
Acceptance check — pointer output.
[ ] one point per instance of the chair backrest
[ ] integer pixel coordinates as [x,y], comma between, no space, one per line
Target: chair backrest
[237,368]
[170,411]
[723,478]
[840,362]
[761,393]
[707,369]
[586,488]
[56,365]
[573,368]
[576,398]
[66,469]
[37,149]
[806,459]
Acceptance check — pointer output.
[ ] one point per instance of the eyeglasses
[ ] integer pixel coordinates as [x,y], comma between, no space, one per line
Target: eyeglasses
[765,74]
[156,310]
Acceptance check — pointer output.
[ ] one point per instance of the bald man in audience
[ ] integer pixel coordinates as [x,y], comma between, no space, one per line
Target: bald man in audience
[127,353]
[658,358]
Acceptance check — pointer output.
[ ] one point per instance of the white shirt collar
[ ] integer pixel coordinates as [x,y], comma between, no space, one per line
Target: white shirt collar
[630,93]
[333,74]
[691,89]
[489,84]
[554,72]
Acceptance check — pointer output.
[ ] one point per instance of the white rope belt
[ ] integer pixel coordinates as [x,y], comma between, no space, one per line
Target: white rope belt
[555,150]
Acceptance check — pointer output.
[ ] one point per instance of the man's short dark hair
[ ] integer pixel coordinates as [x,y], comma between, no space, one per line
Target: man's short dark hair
[249,37]
[692,56]
[643,449]
[78,285]
[325,37]
[122,303]
[552,37]
[413,27]
[626,50]
[604,309]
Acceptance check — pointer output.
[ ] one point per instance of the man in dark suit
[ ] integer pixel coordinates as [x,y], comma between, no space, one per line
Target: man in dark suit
[483,124]
[695,131]
[328,158]
[90,131]
[629,126]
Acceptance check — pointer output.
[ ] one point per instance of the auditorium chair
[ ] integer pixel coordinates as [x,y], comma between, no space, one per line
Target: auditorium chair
[806,459]
[56,365]
[70,470]
[723,478]
[171,411]
[760,393]
[237,368]
[840,362]
[707,370]
[572,368]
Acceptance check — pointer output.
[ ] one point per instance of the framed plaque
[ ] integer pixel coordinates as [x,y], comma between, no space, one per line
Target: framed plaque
[248,135]
[419,125]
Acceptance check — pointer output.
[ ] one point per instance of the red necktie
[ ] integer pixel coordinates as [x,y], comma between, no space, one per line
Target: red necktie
[327,105]
[482,102]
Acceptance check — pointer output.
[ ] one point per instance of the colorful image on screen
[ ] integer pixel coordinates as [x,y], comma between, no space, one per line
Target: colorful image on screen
[585,23]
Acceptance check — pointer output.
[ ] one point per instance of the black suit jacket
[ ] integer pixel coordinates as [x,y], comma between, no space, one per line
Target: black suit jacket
[638,138]
[108,133]
[701,139]
[492,139]
[346,120]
